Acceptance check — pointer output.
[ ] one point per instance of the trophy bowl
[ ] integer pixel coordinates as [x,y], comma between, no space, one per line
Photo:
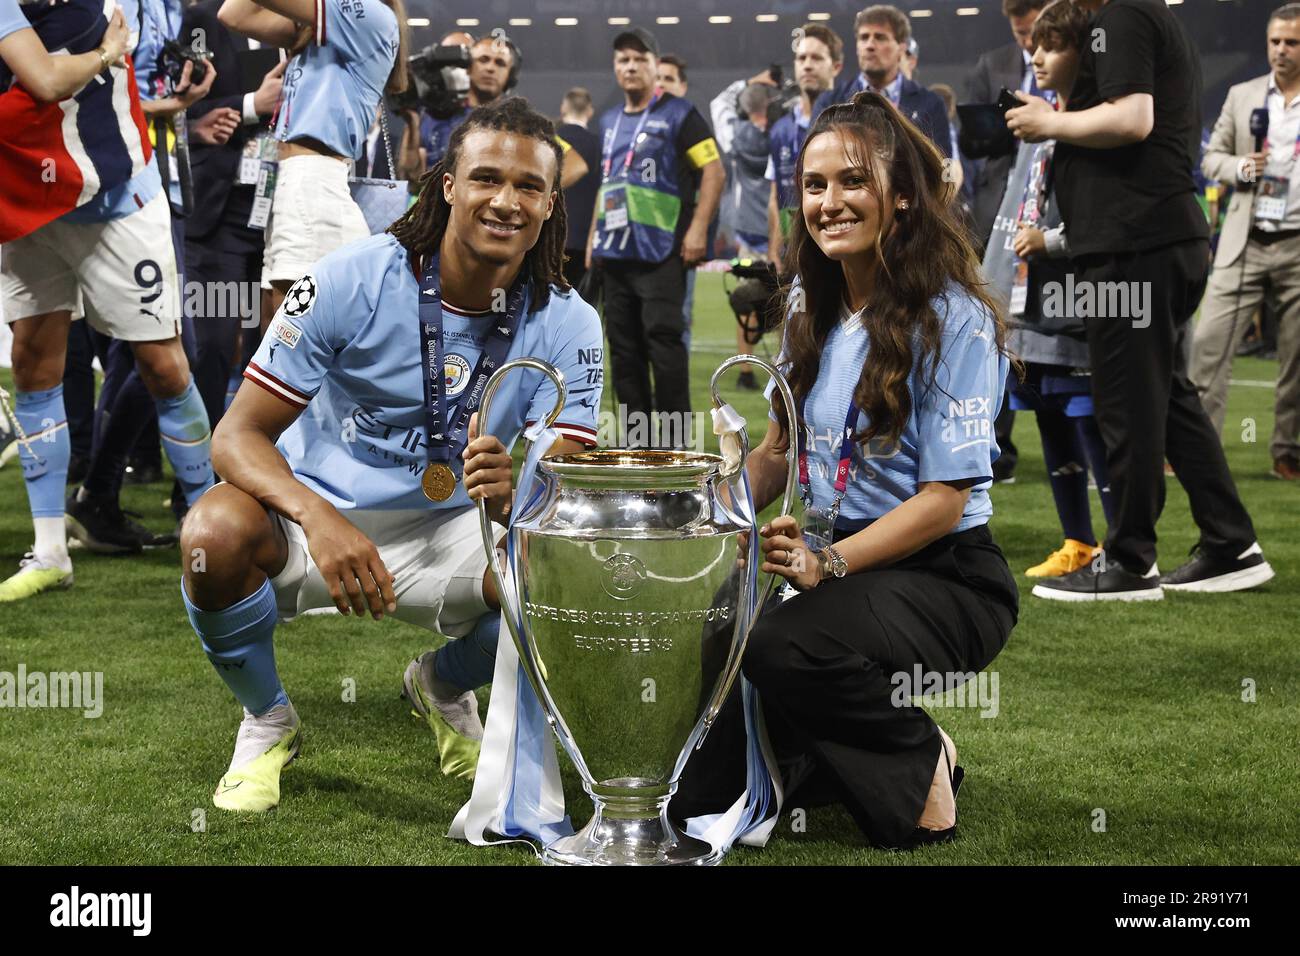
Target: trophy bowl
[628,626]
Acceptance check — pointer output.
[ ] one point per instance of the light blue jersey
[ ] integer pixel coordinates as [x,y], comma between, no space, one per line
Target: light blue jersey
[11,18]
[332,89]
[345,346]
[949,436]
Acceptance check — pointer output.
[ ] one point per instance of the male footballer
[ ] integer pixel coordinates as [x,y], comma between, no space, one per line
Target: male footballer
[349,455]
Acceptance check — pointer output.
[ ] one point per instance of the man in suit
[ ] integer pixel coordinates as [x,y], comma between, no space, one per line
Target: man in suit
[1258,257]
[882,33]
[220,246]
[1006,67]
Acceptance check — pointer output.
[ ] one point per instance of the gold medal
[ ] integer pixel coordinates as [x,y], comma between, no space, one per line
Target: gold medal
[438,482]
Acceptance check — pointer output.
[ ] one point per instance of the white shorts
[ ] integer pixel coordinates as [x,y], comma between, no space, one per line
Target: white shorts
[312,214]
[120,274]
[436,557]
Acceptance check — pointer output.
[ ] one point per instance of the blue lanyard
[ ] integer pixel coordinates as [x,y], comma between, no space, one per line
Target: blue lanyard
[445,445]
[607,160]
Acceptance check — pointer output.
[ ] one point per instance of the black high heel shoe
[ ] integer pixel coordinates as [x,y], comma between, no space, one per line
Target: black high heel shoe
[924,837]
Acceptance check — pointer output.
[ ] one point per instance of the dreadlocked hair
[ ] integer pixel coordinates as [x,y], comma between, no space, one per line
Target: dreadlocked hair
[421,229]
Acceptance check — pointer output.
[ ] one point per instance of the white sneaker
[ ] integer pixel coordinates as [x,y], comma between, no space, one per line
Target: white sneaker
[36,574]
[264,746]
[454,721]
[460,713]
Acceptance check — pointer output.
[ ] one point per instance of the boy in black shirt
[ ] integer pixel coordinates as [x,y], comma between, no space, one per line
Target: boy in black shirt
[1127,146]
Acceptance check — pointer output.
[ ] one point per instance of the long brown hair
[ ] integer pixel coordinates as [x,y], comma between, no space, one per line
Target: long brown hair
[922,255]
[421,229]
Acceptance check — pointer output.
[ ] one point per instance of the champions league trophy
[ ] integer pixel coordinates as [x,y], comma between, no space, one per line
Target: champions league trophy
[625,625]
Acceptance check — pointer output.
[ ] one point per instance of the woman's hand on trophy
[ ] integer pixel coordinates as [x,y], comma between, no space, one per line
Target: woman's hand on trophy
[786,553]
[488,472]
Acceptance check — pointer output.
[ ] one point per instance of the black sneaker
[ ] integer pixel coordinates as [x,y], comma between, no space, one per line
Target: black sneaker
[746,382]
[78,469]
[104,528]
[1100,581]
[1208,574]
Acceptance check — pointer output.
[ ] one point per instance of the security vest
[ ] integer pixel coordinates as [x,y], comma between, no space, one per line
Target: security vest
[655,182]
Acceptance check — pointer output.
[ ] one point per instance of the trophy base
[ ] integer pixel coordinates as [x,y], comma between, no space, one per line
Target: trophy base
[616,837]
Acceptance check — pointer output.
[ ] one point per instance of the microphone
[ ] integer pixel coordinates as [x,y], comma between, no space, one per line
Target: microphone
[1259,126]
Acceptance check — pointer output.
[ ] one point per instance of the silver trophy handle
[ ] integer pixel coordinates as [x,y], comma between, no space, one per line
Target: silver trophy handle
[526,657]
[791,457]
[732,668]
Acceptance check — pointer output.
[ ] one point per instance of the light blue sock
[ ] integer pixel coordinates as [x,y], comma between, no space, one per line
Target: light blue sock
[187,439]
[238,641]
[45,467]
[468,662]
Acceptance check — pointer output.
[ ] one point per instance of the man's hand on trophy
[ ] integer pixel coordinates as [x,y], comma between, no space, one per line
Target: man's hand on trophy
[349,562]
[488,472]
[786,553]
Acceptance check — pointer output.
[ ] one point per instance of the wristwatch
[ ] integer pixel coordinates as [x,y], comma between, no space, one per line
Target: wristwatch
[103,58]
[832,563]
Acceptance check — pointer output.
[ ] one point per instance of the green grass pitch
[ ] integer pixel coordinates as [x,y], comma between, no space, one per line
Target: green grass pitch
[1136,711]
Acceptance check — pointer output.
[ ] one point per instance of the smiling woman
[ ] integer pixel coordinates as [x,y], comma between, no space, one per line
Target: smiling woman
[894,354]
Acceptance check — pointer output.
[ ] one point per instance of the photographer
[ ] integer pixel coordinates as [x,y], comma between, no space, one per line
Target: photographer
[493,72]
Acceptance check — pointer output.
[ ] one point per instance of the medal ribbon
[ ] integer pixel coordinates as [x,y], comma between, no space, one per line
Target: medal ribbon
[445,441]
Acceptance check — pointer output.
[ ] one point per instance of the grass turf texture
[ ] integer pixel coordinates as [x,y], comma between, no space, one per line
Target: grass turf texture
[1135,710]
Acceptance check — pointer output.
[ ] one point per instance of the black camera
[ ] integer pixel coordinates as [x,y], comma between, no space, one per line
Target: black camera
[756,299]
[174,56]
[439,82]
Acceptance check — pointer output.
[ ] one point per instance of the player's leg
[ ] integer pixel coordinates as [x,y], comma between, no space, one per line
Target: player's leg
[182,418]
[44,449]
[232,549]
[441,684]
[39,289]
[124,412]
[128,271]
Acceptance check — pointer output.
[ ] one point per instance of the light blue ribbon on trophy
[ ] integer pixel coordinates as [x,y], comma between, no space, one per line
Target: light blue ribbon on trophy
[517,789]
[751,818]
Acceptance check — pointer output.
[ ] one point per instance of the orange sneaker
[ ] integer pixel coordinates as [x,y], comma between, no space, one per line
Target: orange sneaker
[1070,556]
